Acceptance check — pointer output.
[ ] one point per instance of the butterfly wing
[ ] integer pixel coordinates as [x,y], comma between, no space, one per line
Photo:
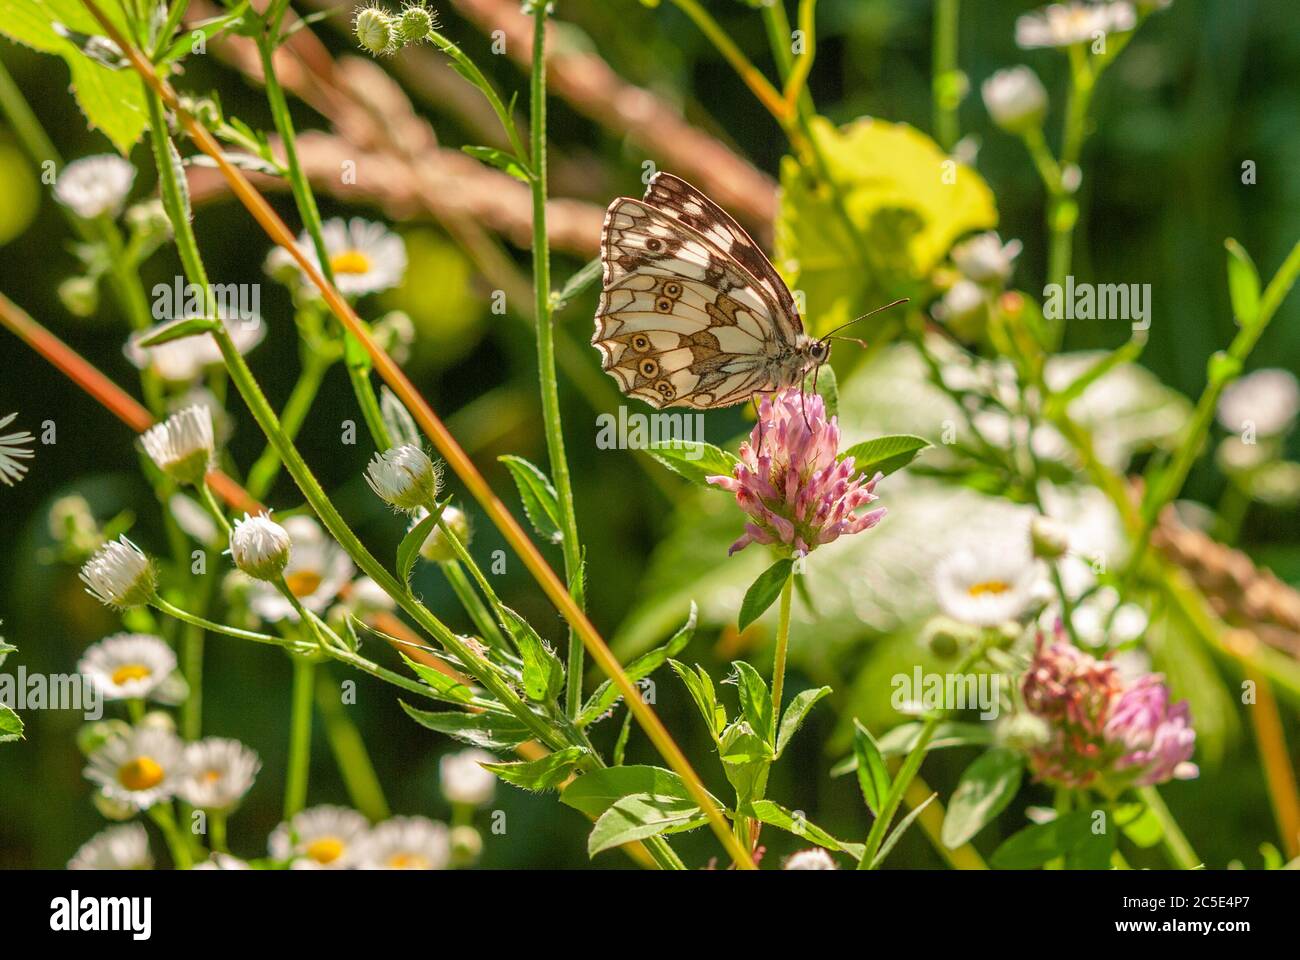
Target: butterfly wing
[681,323]
[687,205]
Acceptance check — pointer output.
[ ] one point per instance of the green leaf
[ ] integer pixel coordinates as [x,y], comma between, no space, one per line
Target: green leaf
[755,698]
[184,41]
[543,672]
[642,815]
[746,760]
[1140,824]
[190,327]
[499,159]
[642,666]
[899,830]
[111,100]
[1243,283]
[546,773]
[577,283]
[408,551]
[901,739]
[694,460]
[595,791]
[885,454]
[795,714]
[11,725]
[489,730]
[443,686]
[700,685]
[828,387]
[1037,844]
[908,202]
[778,816]
[762,593]
[541,503]
[985,789]
[873,778]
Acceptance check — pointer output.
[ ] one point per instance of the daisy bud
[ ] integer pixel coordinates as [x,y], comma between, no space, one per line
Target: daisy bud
[119,575]
[436,547]
[95,186]
[465,780]
[814,859]
[260,547]
[1050,538]
[182,444]
[374,31]
[405,478]
[1015,99]
[415,23]
[80,295]
[466,845]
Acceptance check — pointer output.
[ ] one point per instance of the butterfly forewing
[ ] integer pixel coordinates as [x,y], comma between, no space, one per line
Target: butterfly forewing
[682,322]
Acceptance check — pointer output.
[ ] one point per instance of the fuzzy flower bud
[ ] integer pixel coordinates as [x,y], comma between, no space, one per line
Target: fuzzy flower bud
[1015,99]
[375,30]
[80,295]
[260,547]
[119,574]
[465,780]
[436,547]
[1049,538]
[415,23]
[182,445]
[405,478]
[813,859]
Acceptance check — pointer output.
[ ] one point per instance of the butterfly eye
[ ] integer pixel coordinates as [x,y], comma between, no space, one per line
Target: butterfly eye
[641,343]
[666,389]
[673,290]
[654,245]
[664,305]
[818,351]
[649,368]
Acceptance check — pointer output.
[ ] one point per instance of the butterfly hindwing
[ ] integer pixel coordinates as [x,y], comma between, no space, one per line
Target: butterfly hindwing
[681,323]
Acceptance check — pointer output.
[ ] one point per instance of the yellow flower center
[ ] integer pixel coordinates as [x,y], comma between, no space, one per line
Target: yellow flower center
[131,671]
[210,776]
[408,861]
[141,773]
[326,849]
[303,583]
[350,261]
[986,587]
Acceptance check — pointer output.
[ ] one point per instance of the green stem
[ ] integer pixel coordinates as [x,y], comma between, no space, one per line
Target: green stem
[185,616]
[214,508]
[192,669]
[546,356]
[295,788]
[267,466]
[161,814]
[1175,841]
[782,646]
[350,752]
[474,606]
[945,92]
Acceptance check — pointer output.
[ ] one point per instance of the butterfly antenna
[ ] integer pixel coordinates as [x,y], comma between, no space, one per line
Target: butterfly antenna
[861,343]
[869,313]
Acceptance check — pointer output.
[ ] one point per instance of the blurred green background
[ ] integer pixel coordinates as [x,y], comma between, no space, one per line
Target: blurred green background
[1205,86]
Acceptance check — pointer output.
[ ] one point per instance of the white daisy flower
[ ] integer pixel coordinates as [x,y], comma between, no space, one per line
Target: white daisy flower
[984,258]
[463,778]
[317,570]
[436,547]
[128,666]
[405,478]
[963,301]
[13,448]
[985,589]
[223,861]
[219,771]
[321,838]
[186,358]
[1065,24]
[1268,399]
[95,185]
[182,445]
[118,848]
[365,257]
[142,768]
[260,547]
[367,596]
[1015,99]
[814,859]
[407,843]
[119,574]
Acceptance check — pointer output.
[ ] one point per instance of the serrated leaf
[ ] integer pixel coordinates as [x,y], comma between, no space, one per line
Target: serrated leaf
[11,725]
[545,773]
[594,792]
[873,777]
[778,816]
[985,789]
[642,666]
[500,160]
[700,685]
[762,593]
[1243,283]
[489,730]
[541,503]
[795,714]
[543,674]
[899,830]
[1035,845]
[642,815]
[694,460]
[577,283]
[755,699]
[445,687]
[885,454]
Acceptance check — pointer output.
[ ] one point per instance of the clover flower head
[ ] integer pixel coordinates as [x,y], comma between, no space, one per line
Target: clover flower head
[797,493]
[1157,738]
[119,574]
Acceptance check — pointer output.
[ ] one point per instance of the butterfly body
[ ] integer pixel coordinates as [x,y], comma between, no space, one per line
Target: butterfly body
[692,313]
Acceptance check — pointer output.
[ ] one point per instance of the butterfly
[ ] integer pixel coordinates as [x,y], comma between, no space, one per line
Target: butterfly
[693,314]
